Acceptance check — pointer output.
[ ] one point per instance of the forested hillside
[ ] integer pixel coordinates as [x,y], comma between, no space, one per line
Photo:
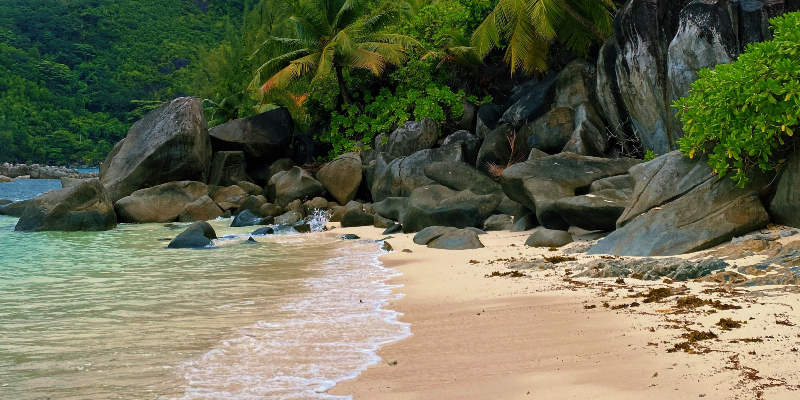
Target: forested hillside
[74,74]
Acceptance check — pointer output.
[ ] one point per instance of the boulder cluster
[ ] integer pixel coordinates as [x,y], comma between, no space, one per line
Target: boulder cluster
[561,152]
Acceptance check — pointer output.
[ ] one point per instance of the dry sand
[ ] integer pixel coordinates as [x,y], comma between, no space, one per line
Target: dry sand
[546,336]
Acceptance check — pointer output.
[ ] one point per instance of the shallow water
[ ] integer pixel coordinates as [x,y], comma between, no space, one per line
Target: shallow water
[21,189]
[117,315]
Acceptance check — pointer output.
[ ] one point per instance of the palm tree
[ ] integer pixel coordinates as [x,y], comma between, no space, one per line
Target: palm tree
[528,27]
[329,36]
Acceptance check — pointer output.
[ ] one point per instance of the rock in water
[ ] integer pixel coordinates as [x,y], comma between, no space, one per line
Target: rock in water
[342,177]
[162,203]
[263,231]
[197,235]
[246,218]
[202,209]
[288,218]
[542,237]
[14,209]
[169,144]
[263,138]
[680,206]
[295,184]
[4,202]
[538,184]
[786,203]
[460,239]
[227,168]
[436,205]
[86,207]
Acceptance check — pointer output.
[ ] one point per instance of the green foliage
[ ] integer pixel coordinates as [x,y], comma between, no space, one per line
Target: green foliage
[527,28]
[413,99]
[75,74]
[649,155]
[741,113]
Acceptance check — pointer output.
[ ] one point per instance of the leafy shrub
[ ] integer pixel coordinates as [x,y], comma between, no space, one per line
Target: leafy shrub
[742,113]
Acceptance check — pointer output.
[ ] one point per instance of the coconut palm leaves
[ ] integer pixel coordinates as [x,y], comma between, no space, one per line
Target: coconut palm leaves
[328,37]
[526,28]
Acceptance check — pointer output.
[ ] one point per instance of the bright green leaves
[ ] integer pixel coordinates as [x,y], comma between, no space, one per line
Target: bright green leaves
[740,112]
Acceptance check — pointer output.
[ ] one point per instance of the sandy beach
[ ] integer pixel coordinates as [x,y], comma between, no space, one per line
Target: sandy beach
[548,336]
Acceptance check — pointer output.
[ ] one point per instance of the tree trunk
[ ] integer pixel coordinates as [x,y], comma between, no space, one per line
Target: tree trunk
[344,96]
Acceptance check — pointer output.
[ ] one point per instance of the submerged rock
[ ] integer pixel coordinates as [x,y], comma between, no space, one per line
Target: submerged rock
[198,235]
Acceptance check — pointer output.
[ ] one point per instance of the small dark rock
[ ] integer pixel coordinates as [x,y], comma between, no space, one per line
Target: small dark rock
[197,235]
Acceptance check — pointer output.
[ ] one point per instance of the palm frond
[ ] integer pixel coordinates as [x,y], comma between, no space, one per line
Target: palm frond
[294,70]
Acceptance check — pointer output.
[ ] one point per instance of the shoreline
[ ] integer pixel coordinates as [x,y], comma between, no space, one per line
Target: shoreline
[549,336]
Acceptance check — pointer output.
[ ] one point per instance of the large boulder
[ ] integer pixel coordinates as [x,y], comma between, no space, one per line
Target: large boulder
[168,144]
[86,207]
[263,138]
[531,101]
[549,133]
[437,205]
[14,209]
[430,234]
[574,85]
[393,208]
[461,176]
[786,203]
[342,177]
[357,214]
[542,237]
[496,149]
[487,120]
[162,203]
[202,209]
[197,235]
[469,143]
[401,176]
[227,168]
[597,211]
[459,239]
[408,139]
[72,182]
[538,184]
[589,137]
[230,194]
[499,222]
[294,184]
[679,205]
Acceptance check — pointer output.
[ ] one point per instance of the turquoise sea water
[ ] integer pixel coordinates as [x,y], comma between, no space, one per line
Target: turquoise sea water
[117,315]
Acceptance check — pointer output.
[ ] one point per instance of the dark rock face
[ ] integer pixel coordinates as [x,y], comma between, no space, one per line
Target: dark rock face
[470,145]
[619,182]
[409,139]
[531,102]
[295,184]
[460,239]
[597,211]
[401,176]
[227,168]
[198,235]
[396,228]
[542,237]
[488,117]
[162,203]
[589,137]
[393,208]
[525,223]
[538,184]
[383,223]
[461,176]
[86,207]
[436,205]
[202,209]
[252,204]
[574,85]
[263,231]
[496,149]
[653,269]
[342,177]
[786,203]
[431,233]
[14,209]
[263,138]
[499,222]
[169,144]
[357,214]
[247,218]
[686,208]
[551,132]
[469,117]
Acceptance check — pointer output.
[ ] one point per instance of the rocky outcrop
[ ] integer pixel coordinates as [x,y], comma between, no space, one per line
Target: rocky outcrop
[227,168]
[169,144]
[86,207]
[198,235]
[597,211]
[619,182]
[496,149]
[231,194]
[437,205]
[538,184]
[342,177]
[408,139]
[652,269]
[202,209]
[785,205]
[14,209]
[542,237]
[162,203]
[294,184]
[487,120]
[401,176]
[470,145]
[680,206]
[575,85]
[461,176]
[531,101]
[589,137]
[551,132]
[263,138]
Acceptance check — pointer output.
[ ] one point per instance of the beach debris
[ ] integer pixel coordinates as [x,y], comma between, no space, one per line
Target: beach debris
[386,246]
[559,259]
[651,269]
[392,363]
[691,343]
[695,302]
[781,319]
[513,274]
[407,251]
[349,236]
[727,324]
[658,294]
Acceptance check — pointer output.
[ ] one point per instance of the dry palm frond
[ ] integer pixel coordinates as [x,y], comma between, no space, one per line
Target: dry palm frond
[495,170]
